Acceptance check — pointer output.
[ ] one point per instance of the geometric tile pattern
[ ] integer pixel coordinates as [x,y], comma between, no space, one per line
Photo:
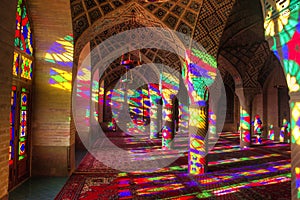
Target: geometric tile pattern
[245,18]
[271,63]
[206,21]
[211,23]
[249,62]
[172,13]
[228,80]
[250,56]
[91,17]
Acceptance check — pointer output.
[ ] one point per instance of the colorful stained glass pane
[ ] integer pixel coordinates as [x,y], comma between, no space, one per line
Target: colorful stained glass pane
[22,149]
[23,123]
[23,100]
[18,24]
[26,37]
[26,68]
[16,64]
[23,113]
[23,35]
[12,124]
[22,67]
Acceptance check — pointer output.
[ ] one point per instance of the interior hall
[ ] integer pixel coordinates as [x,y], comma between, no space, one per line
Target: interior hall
[150,99]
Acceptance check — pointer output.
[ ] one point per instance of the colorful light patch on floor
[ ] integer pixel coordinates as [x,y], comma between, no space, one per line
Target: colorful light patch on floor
[155,190]
[236,181]
[226,147]
[233,160]
[178,168]
[212,179]
[259,170]
[236,187]
[228,150]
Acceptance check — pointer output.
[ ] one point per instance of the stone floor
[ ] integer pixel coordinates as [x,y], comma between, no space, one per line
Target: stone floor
[38,188]
[42,188]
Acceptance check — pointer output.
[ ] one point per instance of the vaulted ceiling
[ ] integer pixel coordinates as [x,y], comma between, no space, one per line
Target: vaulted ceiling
[222,27]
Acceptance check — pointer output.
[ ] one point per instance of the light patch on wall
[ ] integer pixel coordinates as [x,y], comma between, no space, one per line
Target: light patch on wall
[60,79]
[61,52]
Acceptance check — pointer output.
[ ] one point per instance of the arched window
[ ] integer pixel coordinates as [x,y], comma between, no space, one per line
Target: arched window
[22,68]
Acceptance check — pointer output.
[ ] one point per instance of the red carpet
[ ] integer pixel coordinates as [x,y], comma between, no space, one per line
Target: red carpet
[260,173]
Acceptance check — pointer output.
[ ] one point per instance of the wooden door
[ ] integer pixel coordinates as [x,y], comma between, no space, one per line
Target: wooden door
[19,150]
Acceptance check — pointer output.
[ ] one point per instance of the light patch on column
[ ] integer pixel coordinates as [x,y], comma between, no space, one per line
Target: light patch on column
[244,125]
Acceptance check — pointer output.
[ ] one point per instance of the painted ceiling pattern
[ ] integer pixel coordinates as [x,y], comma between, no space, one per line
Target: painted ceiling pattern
[149,55]
[253,59]
[96,20]
[178,15]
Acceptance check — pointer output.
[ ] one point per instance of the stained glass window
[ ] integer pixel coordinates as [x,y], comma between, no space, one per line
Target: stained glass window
[26,68]
[18,24]
[22,68]
[16,64]
[12,124]
[23,123]
[26,36]
[23,35]
[23,43]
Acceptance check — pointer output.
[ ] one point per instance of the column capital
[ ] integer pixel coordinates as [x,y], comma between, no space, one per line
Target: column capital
[246,95]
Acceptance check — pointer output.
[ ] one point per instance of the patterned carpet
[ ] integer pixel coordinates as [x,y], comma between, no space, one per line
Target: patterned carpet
[260,172]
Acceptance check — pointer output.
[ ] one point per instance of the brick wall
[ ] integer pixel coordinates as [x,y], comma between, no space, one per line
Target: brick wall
[51,146]
[7,27]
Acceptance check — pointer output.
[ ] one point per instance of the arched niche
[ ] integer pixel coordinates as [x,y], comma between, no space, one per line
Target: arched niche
[275,101]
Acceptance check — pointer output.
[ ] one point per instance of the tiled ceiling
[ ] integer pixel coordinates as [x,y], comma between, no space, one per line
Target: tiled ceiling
[96,20]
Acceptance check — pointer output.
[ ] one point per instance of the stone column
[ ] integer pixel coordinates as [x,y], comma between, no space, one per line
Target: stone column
[212,120]
[246,96]
[169,83]
[101,102]
[198,127]
[154,116]
[271,134]
[295,143]
[168,127]
[183,110]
